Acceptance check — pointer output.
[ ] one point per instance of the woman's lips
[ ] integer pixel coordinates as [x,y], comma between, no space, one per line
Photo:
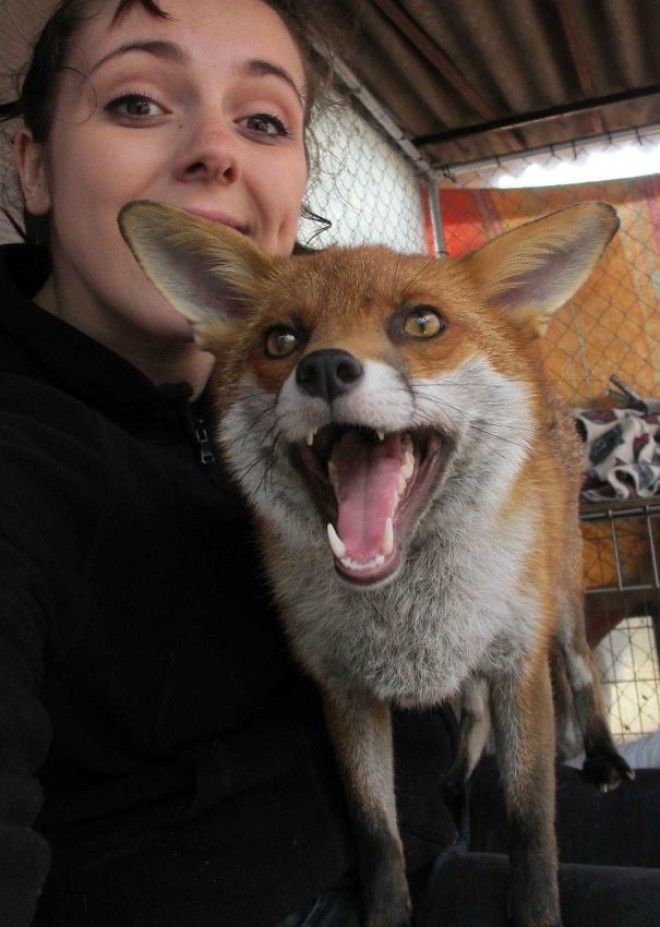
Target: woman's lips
[222,218]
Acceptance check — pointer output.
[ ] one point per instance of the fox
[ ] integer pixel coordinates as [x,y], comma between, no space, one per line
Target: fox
[414,479]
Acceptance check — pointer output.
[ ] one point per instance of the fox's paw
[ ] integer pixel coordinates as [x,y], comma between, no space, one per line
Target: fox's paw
[538,908]
[389,919]
[547,919]
[606,770]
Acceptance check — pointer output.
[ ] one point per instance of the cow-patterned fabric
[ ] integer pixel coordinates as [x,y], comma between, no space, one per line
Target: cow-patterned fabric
[623,451]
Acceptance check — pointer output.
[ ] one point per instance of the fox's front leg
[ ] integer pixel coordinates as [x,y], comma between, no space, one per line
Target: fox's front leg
[361,730]
[523,724]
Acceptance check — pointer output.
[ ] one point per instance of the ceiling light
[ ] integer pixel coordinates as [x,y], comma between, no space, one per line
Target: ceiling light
[583,165]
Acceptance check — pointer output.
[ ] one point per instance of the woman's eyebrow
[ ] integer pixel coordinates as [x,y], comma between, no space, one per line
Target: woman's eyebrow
[167,51]
[257,67]
[170,51]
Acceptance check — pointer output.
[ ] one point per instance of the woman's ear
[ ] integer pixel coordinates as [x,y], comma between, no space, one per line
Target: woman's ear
[30,161]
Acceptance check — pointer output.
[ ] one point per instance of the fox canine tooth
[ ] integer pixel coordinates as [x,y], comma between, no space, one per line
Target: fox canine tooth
[336,543]
[388,538]
[381,435]
[310,437]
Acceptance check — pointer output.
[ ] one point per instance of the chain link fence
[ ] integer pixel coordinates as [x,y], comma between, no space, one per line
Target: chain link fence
[365,186]
[622,544]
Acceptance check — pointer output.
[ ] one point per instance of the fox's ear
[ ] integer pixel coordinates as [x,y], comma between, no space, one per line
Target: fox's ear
[533,270]
[208,272]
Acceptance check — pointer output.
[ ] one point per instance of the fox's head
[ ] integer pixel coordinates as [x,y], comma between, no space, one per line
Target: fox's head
[361,389]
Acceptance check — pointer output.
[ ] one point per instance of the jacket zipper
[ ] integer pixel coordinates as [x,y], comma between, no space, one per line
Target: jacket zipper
[195,425]
[206,454]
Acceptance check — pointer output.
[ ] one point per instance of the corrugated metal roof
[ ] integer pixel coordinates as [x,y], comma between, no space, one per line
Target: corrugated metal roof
[441,65]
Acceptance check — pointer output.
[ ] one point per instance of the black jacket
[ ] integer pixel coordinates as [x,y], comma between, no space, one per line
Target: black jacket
[155,738]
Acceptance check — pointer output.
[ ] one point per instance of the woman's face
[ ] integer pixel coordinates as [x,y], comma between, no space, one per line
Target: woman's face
[203,111]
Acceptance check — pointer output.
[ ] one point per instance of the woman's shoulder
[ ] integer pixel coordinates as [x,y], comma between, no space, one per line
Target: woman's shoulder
[28,334]
[44,429]
[27,402]
[50,372]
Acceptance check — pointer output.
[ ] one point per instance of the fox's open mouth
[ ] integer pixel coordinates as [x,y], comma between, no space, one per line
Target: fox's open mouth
[370,488]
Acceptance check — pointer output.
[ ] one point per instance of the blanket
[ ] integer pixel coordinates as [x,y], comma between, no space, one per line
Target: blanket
[623,450]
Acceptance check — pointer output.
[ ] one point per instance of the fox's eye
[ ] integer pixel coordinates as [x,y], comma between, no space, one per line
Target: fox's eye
[423,322]
[281,340]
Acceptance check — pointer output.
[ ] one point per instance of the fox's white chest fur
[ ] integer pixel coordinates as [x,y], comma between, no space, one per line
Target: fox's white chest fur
[455,608]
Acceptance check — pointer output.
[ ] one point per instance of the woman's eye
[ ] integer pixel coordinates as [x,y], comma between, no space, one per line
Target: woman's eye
[266,124]
[423,322]
[281,341]
[135,106]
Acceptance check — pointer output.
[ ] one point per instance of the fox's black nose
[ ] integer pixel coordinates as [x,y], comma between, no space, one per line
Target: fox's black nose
[328,374]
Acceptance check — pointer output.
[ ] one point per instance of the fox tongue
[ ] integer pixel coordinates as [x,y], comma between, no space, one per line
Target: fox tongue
[367,479]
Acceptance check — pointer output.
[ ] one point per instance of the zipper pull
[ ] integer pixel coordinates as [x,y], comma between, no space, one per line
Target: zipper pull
[206,454]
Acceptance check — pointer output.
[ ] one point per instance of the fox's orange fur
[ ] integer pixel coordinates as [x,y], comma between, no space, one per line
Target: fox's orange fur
[401,400]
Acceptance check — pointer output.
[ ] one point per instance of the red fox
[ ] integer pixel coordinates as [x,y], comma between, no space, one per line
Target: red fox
[416,486]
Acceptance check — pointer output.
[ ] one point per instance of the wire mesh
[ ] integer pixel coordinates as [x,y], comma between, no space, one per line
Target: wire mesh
[365,186]
[627,659]
[622,548]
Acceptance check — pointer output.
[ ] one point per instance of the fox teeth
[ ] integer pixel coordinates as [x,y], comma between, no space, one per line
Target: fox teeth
[381,435]
[388,538]
[333,475]
[310,437]
[336,543]
[408,465]
[359,565]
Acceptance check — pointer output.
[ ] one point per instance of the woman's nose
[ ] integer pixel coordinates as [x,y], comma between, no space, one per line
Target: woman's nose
[212,157]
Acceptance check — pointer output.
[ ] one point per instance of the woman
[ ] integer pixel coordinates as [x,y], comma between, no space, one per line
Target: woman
[162,761]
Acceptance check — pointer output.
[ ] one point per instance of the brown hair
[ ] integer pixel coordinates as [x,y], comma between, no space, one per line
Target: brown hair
[35,103]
